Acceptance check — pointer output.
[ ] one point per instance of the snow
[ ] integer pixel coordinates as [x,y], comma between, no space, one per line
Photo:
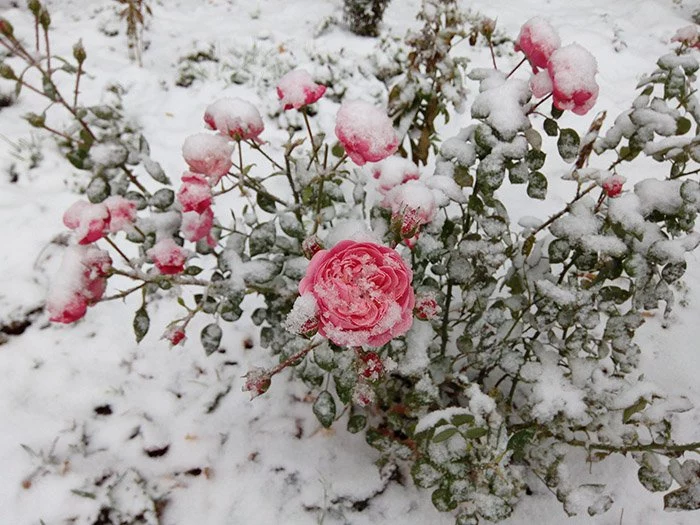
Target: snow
[365,131]
[233,460]
[502,105]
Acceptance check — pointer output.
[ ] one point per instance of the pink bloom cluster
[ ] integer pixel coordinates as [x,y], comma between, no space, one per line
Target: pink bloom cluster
[168,257]
[362,291]
[688,36]
[92,221]
[297,89]
[365,132]
[567,72]
[81,281]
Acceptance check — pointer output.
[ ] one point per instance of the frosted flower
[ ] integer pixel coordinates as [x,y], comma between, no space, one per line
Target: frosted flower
[81,280]
[394,171]
[235,118]
[413,204]
[363,394]
[168,257]
[572,70]
[196,226]
[195,193]
[122,213]
[363,293]
[688,35]
[371,366]
[89,221]
[257,382]
[365,132]
[537,40]
[302,319]
[311,245]
[175,335]
[297,89]
[208,154]
[612,185]
[426,307]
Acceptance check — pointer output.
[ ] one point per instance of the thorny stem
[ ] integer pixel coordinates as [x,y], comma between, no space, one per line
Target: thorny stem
[516,67]
[533,108]
[493,55]
[123,294]
[562,212]
[139,275]
[678,176]
[292,359]
[314,151]
[77,85]
[119,251]
[134,180]
[257,148]
[444,334]
[48,53]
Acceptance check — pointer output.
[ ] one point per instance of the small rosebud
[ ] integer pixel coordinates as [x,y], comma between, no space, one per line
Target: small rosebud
[175,335]
[34,6]
[311,245]
[6,28]
[44,19]
[426,307]
[309,328]
[79,52]
[363,394]
[257,382]
[371,366]
[7,72]
[612,186]
[488,26]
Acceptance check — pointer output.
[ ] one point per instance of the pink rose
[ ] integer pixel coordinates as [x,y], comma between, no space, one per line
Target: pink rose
[168,257]
[426,307]
[208,154]
[371,366]
[195,193]
[365,132]
[175,335]
[81,280]
[88,220]
[572,70]
[363,293]
[612,185]
[196,226]
[537,40]
[67,309]
[122,213]
[394,171]
[412,205]
[235,118]
[297,89]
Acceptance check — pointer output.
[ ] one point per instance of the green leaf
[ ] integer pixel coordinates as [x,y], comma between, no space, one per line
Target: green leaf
[568,144]
[673,271]
[632,410]
[163,198]
[155,171]
[614,293]
[324,408]
[442,499]
[556,112]
[558,250]
[266,202]
[97,190]
[262,238]
[141,323]
[682,126]
[211,338]
[535,159]
[357,423]
[463,177]
[519,441]
[551,127]
[537,186]
[684,498]
[444,435]
[475,433]
[462,419]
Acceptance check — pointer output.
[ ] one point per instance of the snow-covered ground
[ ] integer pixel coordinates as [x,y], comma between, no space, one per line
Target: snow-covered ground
[87,416]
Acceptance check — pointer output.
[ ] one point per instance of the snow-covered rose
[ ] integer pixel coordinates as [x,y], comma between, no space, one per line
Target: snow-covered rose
[688,35]
[67,308]
[426,307]
[394,171]
[412,203]
[196,226]
[537,40]
[175,335]
[541,84]
[363,293]
[612,185]
[195,193]
[572,70]
[297,89]
[235,118]
[365,132]
[168,257]
[90,221]
[122,213]
[371,366]
[208,154]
